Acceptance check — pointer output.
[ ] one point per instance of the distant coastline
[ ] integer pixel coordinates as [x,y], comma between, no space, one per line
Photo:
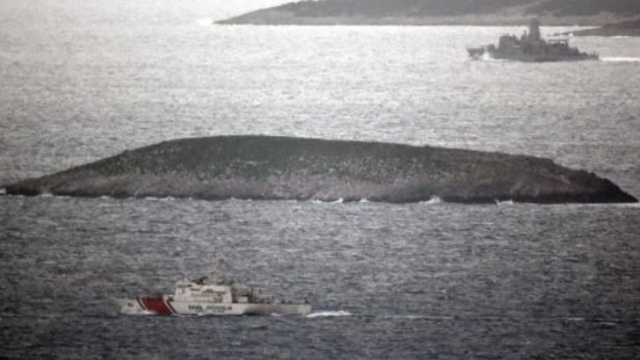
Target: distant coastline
[454,12]
[283,18]
[626,28]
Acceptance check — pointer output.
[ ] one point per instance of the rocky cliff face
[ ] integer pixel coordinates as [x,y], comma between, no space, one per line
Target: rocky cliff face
[260,167]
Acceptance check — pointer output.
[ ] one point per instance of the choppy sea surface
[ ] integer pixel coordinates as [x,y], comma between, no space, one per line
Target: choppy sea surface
[417,281]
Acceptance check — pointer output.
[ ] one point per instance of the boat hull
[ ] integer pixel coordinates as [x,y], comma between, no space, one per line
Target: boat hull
[540,57]
[491,52]
[164,306]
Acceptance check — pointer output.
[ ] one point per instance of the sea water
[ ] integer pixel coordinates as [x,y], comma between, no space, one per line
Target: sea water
[79,82]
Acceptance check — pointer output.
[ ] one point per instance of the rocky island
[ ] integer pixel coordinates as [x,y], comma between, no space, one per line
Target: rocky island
[443,12]
[284,168]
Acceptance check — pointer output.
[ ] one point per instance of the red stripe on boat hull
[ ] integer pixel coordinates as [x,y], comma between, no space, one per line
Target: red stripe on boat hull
[156,305]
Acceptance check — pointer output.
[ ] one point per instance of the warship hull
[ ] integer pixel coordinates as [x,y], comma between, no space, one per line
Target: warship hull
[531,47]
[522,57]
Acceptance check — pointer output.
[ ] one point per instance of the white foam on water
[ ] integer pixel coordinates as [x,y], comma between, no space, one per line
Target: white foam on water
[621,59]
[337,313]
[317,201]
[434,200]
[204,22]
[137,312]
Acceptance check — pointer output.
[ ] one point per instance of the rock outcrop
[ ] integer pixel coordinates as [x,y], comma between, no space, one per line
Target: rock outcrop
[262,167]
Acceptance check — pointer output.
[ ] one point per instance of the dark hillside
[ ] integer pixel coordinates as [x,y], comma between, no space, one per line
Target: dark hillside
[587,7]
[280,168]
[626,28]
[383,8]
[485,12]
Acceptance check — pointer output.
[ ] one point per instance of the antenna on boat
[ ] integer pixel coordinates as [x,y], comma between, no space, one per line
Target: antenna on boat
[218,271]
[534,30]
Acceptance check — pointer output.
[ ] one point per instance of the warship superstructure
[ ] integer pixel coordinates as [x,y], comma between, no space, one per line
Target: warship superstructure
[531,47]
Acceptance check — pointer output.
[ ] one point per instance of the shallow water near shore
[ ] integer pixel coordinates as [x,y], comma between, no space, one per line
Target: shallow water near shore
[415,281]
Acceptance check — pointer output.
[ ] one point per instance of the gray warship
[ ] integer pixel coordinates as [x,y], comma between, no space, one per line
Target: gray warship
[531,47]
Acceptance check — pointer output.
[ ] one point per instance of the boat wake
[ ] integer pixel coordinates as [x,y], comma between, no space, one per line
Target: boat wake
[488,57]
[621,59]
[342,313]
[338,313]
[137,312]
[204,22]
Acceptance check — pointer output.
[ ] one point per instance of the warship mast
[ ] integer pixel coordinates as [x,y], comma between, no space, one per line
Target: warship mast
[534,30]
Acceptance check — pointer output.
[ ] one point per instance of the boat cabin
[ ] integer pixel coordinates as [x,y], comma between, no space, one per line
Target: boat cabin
[201,290]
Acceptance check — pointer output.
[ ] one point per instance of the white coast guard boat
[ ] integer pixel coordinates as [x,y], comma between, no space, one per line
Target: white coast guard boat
[204,296]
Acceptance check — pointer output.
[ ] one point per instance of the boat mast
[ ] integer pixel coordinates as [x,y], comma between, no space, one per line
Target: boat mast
[217,276]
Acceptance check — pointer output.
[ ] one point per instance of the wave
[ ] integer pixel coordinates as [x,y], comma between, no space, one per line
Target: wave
[575,319]
[336,313]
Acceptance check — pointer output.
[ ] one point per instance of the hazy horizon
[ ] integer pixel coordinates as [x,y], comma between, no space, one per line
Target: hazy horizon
[164,11]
